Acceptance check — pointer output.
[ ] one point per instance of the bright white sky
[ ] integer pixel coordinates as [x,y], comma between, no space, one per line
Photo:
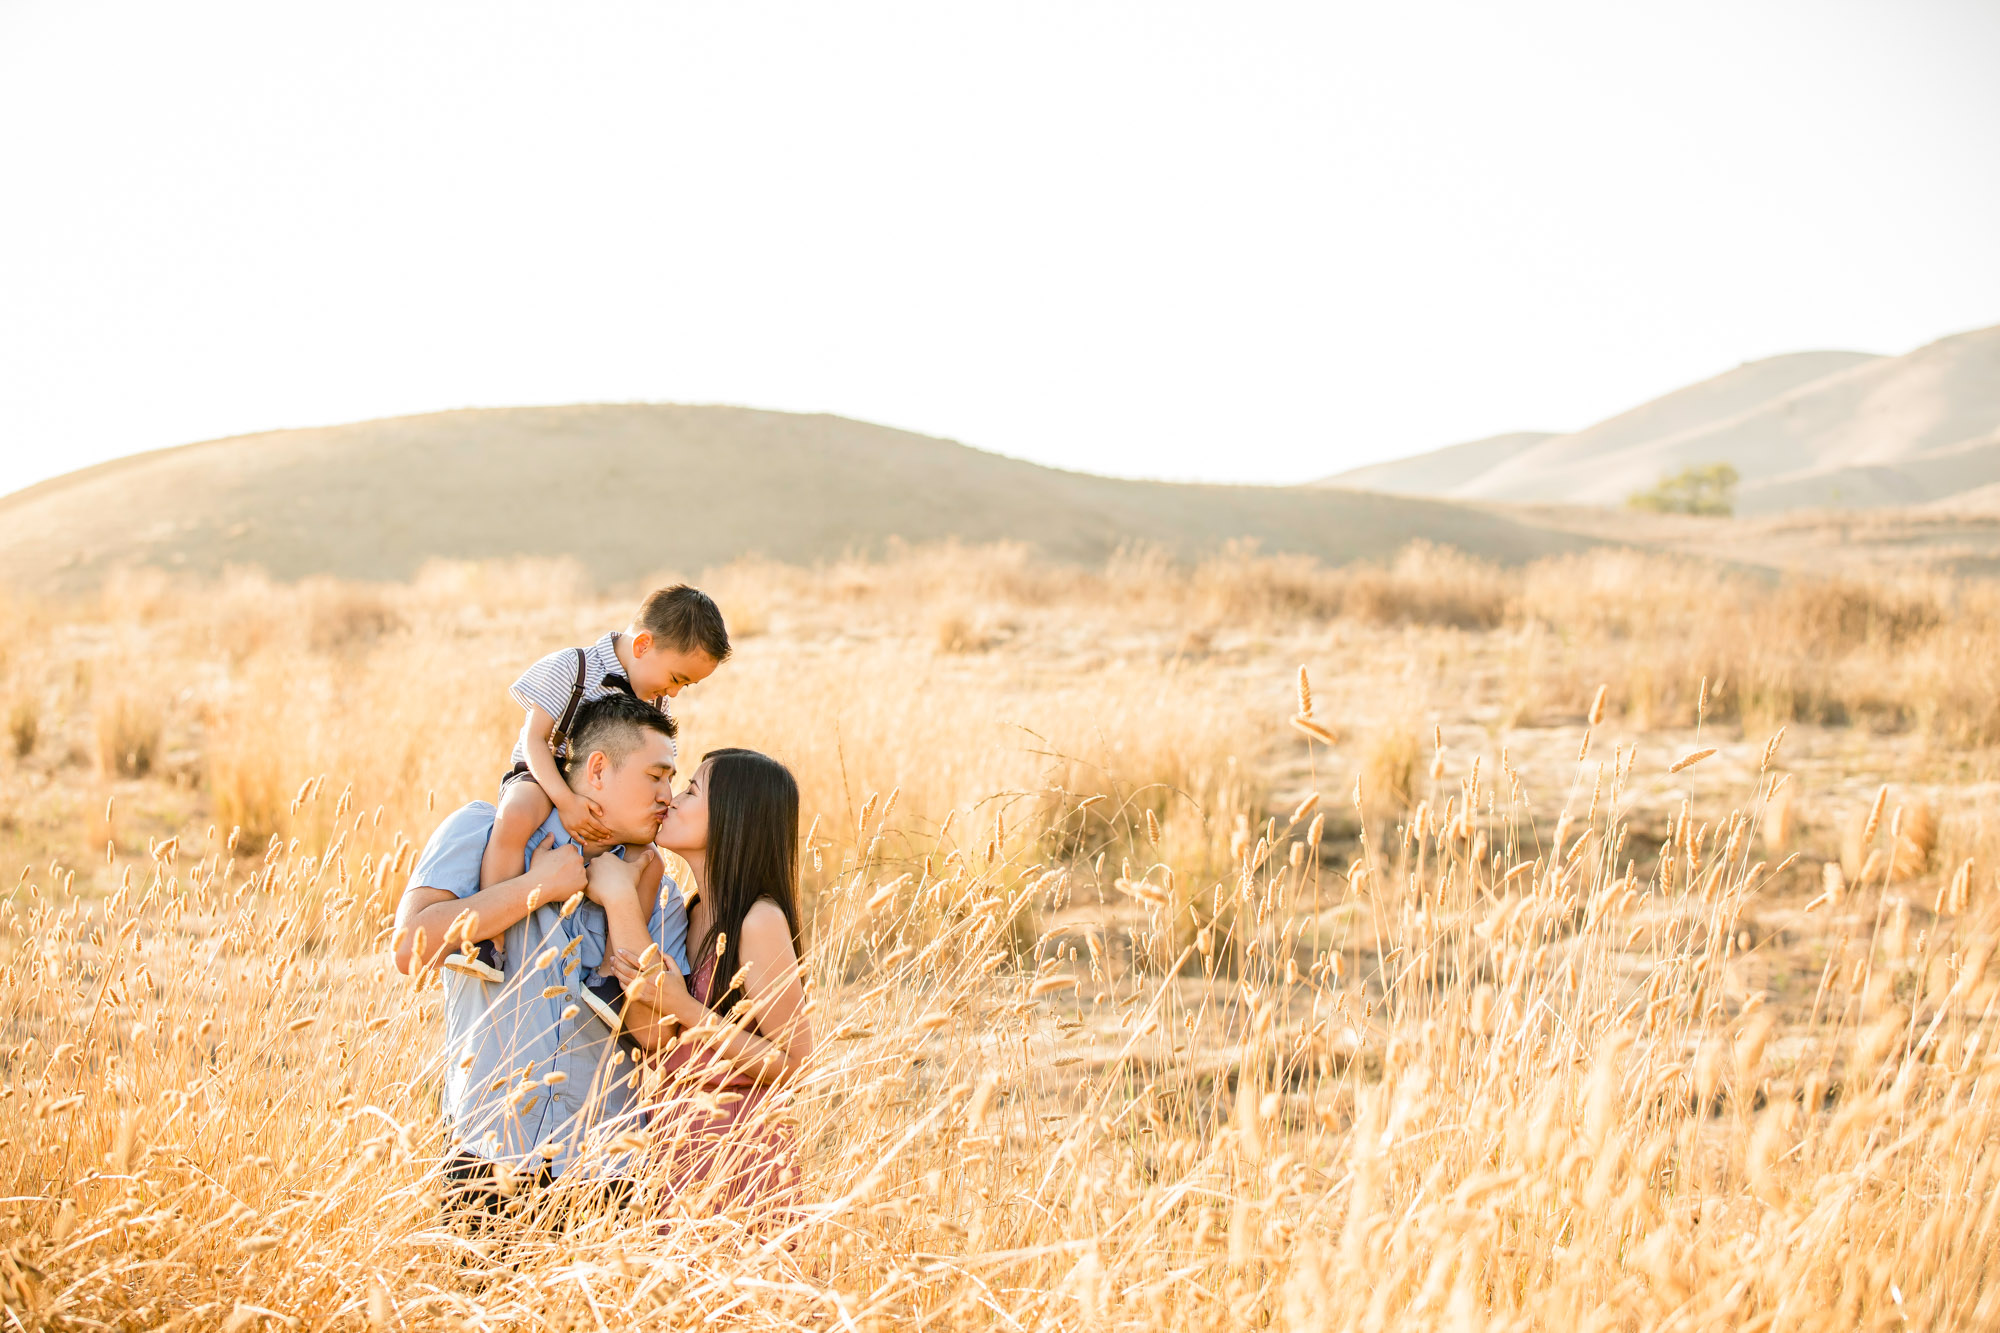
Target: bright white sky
[1242,240]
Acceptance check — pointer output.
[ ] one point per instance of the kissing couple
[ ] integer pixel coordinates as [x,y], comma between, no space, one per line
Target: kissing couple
[609,1036]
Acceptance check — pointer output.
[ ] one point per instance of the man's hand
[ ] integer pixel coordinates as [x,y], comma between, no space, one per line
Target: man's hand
[611,877]
[560,874]
[584,818]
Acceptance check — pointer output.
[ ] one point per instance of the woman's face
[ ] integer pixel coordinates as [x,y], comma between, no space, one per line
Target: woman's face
[685,829]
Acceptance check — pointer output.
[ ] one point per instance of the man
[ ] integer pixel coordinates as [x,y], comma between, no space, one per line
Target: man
[537,1086]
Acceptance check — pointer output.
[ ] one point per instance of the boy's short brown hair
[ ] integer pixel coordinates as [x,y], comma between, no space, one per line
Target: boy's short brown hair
[685,619]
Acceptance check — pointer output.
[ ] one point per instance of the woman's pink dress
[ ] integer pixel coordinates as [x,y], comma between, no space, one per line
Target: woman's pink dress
[723,1142]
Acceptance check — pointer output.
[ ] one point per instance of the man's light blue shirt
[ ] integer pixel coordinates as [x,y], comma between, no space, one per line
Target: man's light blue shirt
[502,1039]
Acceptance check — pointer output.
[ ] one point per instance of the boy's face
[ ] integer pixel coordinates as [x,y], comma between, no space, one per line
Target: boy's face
[658,669]
[634,793]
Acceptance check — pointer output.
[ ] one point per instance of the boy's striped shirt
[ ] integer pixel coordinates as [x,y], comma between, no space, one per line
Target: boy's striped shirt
[547,684]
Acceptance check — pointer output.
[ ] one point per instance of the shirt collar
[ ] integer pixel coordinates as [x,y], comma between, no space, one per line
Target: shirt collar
[606,651]
[559,836]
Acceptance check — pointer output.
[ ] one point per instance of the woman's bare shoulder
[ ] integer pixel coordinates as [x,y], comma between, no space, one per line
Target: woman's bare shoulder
[765,925]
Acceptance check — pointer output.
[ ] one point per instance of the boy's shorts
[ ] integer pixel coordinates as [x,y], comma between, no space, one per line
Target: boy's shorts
[516,773]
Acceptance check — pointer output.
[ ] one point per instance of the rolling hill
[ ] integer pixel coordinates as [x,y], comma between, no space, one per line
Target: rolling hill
[1809,430]
[631,490]
[1440,470]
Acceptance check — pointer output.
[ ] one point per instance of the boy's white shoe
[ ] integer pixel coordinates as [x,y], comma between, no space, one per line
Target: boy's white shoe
[474,965]
[601,999]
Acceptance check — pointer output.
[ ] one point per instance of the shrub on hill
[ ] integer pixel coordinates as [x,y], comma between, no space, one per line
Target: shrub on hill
[1706,489]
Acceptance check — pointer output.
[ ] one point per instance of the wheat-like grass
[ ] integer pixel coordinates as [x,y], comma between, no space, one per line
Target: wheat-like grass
[1114,1034]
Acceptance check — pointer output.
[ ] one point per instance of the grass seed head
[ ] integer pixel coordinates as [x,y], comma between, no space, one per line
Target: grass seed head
[1874,819]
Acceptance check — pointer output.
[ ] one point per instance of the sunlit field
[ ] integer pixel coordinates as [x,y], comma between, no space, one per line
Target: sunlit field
[1605,943]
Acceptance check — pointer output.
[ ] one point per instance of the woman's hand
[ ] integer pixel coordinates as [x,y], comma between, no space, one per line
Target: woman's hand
[657,984]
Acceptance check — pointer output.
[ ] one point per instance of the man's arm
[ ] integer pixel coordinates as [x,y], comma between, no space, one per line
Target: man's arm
[426,915]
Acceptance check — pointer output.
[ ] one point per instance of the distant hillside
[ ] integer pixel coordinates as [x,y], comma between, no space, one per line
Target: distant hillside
[631,490]
[1607,462]
[1440,470]
[1544,468]
[1815,429]
[1921,427]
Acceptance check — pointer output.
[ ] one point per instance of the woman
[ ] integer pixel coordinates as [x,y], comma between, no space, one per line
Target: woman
[742,1013]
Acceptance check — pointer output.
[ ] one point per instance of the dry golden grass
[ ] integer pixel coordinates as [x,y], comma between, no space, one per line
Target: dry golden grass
[24,727]
[1131,1016]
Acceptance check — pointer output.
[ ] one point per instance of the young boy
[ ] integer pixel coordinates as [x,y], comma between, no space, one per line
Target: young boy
[677,640]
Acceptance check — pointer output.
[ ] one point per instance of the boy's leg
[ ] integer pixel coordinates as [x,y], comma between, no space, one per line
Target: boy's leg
[523,806]
[603,994]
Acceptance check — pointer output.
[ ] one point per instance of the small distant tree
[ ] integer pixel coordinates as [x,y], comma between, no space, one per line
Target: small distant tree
[1704,489]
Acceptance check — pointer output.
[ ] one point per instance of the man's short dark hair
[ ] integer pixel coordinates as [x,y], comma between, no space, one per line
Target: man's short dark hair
[685,619]
[615,724]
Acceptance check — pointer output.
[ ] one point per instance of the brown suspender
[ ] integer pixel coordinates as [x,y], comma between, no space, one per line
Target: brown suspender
[559,737]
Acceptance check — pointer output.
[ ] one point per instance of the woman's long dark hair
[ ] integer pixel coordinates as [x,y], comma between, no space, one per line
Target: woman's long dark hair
[753,852]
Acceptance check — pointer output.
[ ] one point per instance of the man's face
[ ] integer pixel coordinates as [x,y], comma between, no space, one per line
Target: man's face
[635,792]
[658,669]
